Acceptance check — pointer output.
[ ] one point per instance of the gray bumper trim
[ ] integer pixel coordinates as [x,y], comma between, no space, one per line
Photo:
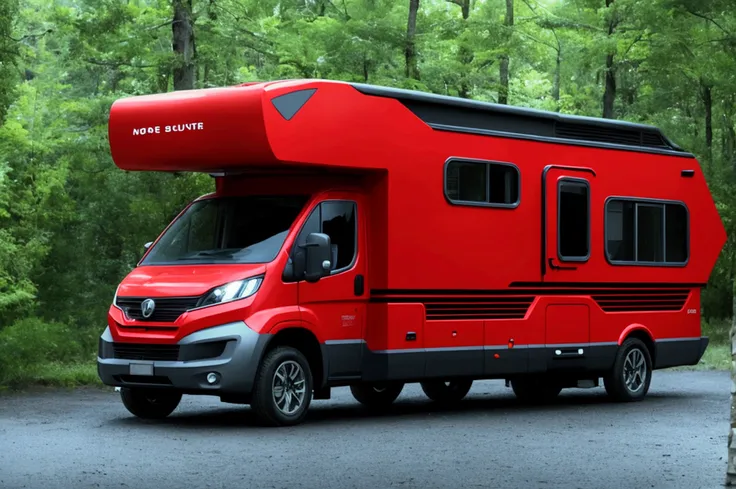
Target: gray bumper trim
[237,365]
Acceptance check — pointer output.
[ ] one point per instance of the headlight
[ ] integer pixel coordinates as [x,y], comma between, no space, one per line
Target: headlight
[240,289]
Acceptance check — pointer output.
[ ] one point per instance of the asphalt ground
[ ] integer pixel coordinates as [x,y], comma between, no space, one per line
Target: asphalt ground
[675,438]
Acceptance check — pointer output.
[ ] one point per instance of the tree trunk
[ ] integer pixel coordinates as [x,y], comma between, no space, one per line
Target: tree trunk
[729,134]
[609,93]
[731,465]
[465,55]
[206,76]
[707,95]
[183,44]
[556,83]
[508,22]
[412,70]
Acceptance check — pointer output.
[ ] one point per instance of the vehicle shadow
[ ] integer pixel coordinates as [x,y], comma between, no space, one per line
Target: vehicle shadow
[346,411]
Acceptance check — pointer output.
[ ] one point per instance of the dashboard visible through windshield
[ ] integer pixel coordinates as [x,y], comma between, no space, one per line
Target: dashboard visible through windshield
[247,229]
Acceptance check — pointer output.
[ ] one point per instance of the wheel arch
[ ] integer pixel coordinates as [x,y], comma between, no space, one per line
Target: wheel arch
[303,339]
[642,333]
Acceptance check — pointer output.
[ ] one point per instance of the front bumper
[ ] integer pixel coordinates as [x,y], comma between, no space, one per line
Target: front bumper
[232,351]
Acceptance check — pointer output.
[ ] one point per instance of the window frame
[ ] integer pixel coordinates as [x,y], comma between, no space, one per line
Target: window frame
[487,163]
[645,201]
[318,206]
[586,184]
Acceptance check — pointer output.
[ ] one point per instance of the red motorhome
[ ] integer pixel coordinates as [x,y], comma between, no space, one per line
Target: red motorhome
[371,237]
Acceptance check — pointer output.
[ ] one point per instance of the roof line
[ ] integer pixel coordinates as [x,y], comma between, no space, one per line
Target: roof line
[457,114]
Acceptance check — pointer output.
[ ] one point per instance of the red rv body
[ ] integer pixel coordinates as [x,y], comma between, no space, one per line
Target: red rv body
[369,237]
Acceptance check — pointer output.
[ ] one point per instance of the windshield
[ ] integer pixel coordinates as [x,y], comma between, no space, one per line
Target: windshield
[248,229]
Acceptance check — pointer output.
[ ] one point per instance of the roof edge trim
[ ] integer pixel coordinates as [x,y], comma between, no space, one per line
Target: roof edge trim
[443,112]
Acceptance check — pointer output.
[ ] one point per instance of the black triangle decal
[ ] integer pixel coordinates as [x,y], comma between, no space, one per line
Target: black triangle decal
[289,104]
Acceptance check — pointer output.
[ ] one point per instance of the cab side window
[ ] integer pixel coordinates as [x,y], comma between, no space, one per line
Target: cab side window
[338,220]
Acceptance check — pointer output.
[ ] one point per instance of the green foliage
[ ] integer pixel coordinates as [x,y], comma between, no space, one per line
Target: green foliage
[72,225]
[28,346]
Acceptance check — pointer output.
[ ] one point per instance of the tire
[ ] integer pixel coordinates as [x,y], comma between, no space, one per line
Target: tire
[535,389]
[274,405]
[379,395]
[446,392]
[631,354]
[150,403]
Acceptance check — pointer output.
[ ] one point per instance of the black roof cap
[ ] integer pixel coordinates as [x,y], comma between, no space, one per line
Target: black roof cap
[457,114]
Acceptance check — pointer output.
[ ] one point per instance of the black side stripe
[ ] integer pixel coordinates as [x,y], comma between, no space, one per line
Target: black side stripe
[610,285]
[545,288]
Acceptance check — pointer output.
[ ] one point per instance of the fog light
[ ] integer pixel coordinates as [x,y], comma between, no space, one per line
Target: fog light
[212,378]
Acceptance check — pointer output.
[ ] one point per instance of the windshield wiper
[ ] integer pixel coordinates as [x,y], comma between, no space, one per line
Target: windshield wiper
[227,252]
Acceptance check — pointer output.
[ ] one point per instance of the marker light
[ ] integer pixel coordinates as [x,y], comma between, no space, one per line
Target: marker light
[240,289]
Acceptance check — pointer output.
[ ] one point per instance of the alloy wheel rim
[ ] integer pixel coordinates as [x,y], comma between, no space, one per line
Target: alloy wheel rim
[635,370]
[289,387]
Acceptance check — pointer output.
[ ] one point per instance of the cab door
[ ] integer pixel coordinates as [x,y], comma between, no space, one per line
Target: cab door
[566,251]
[336,304]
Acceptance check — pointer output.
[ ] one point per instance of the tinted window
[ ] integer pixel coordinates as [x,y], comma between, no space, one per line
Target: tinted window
[248,229]
[620,230]
[676,227]
[650,233]
[482,183]
[573,220]
[338,222]
[646,232]
[337,219]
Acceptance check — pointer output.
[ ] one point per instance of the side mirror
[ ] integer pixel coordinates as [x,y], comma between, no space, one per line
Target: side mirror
[147,245]
[318,261]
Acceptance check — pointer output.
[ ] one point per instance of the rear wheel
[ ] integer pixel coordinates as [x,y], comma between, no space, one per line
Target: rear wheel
[446,392]
[631,374]
[283,388]
[150,403]
[379,395]
[536,389]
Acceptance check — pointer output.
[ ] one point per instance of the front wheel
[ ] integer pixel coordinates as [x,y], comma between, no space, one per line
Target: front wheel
[283,388]
[631,374]
[150,403]
[377,395]
[446,392]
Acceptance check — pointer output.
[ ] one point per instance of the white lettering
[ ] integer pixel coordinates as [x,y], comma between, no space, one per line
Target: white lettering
[146,130]
[185,127]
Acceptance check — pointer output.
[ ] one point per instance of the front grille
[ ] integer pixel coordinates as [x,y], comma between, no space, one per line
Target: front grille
[142,379]
[137,351]
[167,309]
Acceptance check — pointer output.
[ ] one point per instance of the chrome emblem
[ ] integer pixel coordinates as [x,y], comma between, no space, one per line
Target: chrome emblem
[147,307]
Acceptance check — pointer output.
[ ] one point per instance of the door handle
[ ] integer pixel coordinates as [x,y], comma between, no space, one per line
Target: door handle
[359,285]
[559,267]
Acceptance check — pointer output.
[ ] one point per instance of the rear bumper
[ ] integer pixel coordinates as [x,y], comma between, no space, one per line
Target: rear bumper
[198,355]
[680,352]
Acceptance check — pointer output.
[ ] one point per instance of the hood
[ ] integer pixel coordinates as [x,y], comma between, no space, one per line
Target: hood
[183,280]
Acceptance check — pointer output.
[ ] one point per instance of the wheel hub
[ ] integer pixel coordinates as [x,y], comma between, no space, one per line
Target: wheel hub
[635,370]
[288,387]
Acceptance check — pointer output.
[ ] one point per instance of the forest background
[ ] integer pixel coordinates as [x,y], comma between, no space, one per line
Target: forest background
[72,224]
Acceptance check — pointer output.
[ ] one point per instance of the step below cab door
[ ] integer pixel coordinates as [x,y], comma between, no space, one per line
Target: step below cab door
[566,251]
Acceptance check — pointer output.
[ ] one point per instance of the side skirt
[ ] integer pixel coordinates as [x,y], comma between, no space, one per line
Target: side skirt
[349,361]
